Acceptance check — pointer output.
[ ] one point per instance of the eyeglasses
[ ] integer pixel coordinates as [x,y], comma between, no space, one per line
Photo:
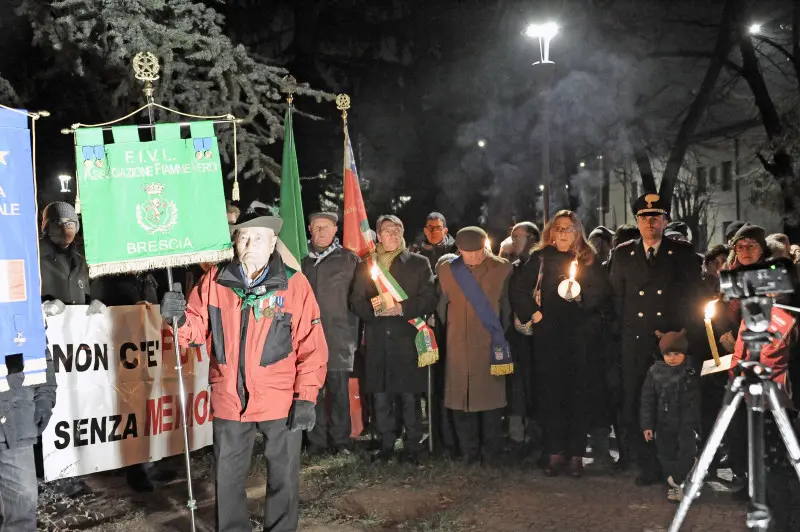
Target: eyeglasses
[739,248]
[434,228]
[69,224]
[563,229]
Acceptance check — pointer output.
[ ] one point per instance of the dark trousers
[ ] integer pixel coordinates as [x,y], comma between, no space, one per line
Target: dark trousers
[562,411]
[642,451]
[444,438]
[233,448]
[676,452]
[18,490]
[385,420]
[334,417]
[478,433]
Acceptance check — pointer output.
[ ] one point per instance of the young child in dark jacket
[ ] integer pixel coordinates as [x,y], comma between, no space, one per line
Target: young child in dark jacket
[670,410]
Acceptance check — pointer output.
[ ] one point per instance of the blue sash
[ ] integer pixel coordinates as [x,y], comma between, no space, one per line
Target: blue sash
[499,353]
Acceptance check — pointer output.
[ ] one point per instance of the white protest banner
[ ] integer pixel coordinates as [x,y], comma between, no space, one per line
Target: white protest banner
[118,401]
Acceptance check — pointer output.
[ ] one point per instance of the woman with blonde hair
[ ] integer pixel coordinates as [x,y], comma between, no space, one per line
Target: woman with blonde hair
[564,327]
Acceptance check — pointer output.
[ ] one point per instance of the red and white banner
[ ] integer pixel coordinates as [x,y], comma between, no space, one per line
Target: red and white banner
[118,401]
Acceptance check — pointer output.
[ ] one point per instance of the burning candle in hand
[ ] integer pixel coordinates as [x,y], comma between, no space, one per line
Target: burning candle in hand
[572,270]
[569,288]
[712,342]
[374,272]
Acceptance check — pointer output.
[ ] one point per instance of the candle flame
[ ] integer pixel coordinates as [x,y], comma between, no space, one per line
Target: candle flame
[374,272]
[711,309]
[572,269]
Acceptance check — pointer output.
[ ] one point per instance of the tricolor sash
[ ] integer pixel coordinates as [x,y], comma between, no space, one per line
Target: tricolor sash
[425,341]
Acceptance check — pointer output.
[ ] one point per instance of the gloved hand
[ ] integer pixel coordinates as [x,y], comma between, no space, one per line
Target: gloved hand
[53,308]
[302,415]
[95,307]
[42,414]
[173,305]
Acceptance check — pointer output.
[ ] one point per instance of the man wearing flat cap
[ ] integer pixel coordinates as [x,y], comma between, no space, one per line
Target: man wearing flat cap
[656,283]
[331,270]
[261,324]
[474,306]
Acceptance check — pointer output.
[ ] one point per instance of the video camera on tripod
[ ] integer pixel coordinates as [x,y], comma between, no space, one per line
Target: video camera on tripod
[760,287]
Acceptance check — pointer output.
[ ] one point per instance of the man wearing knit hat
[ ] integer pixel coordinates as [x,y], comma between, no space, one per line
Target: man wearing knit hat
[657,285]
[670,411]
[475,309]
[331,270]
[65,275]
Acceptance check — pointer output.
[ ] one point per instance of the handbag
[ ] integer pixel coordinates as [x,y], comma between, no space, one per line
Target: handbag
[527,328]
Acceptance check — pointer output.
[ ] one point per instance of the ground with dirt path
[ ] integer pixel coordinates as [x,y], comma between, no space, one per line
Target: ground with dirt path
[348,494]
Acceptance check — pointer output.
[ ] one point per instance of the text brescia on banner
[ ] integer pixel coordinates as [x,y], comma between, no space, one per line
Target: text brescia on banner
[118,394]
[21,322]
[151,204]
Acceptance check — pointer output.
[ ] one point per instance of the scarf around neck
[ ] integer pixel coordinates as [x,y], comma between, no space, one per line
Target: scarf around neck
[386,258]
[320,255]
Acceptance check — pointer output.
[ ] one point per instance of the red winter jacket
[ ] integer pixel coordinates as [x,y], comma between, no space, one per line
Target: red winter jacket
[284,355]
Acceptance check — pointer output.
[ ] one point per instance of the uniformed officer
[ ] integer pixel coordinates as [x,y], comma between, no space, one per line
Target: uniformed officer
[656,285]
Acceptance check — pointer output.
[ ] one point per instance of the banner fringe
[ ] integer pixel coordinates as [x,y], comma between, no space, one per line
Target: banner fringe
[498,370]
[154,263]
[427,358]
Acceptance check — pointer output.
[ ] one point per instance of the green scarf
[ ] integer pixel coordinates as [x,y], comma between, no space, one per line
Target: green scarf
[252,300]
[387,257]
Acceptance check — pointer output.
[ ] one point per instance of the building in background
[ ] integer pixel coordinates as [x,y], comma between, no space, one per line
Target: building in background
[721,180]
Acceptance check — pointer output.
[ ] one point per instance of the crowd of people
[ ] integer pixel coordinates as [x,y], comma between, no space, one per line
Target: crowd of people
[562,339]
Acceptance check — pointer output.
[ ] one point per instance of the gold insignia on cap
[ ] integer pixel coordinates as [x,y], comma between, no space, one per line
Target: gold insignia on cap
[650,199]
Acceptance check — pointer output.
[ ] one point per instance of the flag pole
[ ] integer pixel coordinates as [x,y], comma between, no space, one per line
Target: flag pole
[145,66]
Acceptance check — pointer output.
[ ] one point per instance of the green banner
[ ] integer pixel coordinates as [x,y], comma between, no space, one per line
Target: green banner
[151,204]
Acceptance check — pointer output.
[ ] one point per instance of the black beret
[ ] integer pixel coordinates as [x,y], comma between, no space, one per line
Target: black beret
[677,227]
[471,239]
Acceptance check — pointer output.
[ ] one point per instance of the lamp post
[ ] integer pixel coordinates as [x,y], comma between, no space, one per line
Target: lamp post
[64,180]
[543,74]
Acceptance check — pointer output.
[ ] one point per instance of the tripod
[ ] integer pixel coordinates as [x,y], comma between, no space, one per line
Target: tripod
[752,384]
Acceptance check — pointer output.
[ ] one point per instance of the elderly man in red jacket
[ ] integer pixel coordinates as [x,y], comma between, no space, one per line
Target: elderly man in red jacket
[261,323]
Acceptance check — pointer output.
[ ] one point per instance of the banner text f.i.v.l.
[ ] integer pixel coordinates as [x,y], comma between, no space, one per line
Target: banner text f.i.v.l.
[152,204]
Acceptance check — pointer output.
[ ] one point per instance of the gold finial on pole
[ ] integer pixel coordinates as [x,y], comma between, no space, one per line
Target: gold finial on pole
[289,87]
[343,104]
[146,68]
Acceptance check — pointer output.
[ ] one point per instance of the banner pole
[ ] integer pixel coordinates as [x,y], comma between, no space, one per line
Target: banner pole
[148,75]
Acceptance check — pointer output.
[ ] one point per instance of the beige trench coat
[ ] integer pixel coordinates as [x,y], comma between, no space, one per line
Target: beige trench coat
[468,384]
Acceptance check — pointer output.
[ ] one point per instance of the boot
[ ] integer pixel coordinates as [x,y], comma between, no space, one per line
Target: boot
[554,466]
[576,467]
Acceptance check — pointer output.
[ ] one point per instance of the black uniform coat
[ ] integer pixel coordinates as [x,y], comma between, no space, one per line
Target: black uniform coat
[65,275]
[332,281]
[391,355]
[664,296]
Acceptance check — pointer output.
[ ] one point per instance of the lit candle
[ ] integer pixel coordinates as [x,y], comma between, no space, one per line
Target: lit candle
[384,299]
[710,331]
[572,269]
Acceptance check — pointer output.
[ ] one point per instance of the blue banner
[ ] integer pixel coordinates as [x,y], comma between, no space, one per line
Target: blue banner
[21,321]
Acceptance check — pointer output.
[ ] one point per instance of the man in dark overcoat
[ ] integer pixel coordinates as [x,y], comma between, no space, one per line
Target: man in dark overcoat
[391,369]
[656,284]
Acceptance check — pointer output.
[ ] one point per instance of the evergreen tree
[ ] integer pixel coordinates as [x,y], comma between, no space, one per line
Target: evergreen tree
[202,71]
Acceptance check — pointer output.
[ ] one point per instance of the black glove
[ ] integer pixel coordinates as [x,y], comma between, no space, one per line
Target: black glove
[42,414]
[173,305]
[302,415]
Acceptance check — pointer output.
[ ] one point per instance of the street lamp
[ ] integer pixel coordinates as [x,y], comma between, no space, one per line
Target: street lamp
[543,72]
[754,29]
[481,143]
[582,164]
[64,179]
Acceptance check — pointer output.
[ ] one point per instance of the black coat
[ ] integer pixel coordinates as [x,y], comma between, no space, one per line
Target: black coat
[125,289]
[65,275]
[566,340]
[671,398]
[391,355]
[665,296]
[332,281]
[433,252]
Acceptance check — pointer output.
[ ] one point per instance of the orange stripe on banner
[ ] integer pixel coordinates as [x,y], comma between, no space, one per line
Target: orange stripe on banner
[12,281]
